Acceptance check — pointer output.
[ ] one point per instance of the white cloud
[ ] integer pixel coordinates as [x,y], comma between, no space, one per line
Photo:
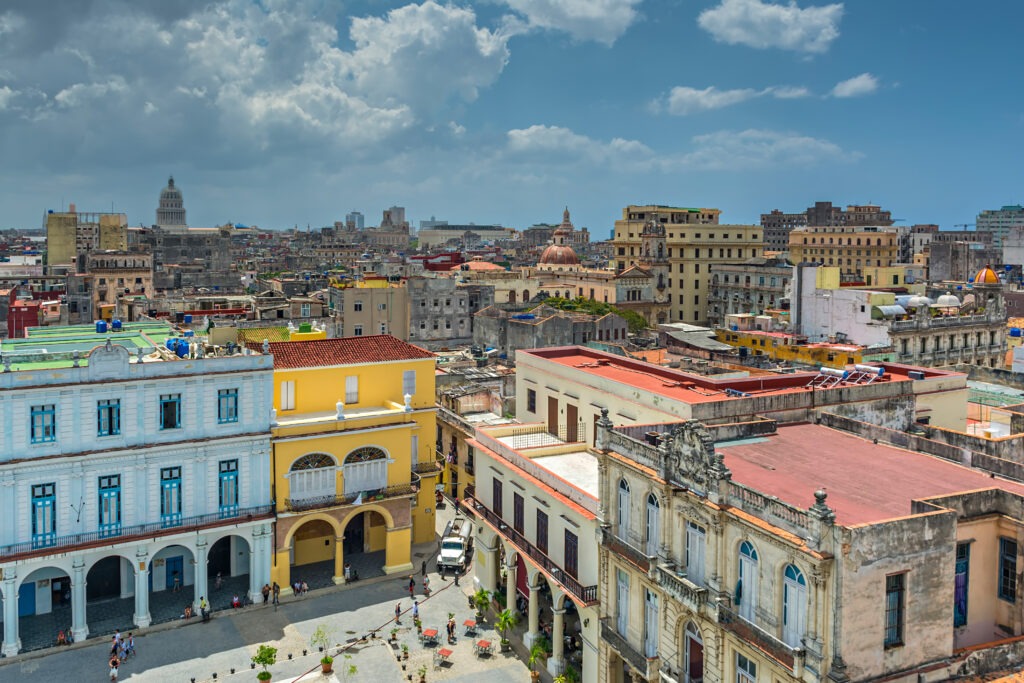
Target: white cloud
[603,21]
[456,129]
[6,95]
[790,92]
[752,149]
[556,144]
[865,84]
[80,93]
[150,108]
[760,24]
[683,100]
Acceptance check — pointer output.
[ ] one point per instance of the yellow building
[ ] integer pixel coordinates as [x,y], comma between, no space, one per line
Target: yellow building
[851,249]
[71,233]
[352,455]
[792,347]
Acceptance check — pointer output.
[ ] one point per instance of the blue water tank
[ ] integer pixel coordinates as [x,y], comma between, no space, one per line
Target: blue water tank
[734,328]
[116,325]
[101,326]
[182,349]
[188,318]
[171,343]
[1014,331]
[190,333]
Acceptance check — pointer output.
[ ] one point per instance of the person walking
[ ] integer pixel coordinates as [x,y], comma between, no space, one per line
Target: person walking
[426,585]
[412,586]
[415,610]
[423,568]
[266,593]
[114,663]
[130,646]
[277,593]
[398,613]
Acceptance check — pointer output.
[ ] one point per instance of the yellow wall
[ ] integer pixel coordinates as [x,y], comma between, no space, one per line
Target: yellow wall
[777,348]
[380,384]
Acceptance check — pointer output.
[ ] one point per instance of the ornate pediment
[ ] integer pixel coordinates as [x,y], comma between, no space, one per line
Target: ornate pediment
[688,454]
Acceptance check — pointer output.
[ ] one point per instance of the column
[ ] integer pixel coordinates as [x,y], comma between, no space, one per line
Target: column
[142,569]
[201,575]
[510,582]
[339,560]
[12,642]
[398,555]
[533,630]
[79,625]
[261,544]
[255,587]
[556,664]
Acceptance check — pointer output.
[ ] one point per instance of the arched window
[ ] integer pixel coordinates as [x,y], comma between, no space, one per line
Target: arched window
[746,586]
[623,509]
[693,654]
[365,469]
[794,606]
[653,525]
[312,476]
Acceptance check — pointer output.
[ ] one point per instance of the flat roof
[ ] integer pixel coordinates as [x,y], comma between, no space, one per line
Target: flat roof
[578,468]
[53,347]
[865,482]
[690,388]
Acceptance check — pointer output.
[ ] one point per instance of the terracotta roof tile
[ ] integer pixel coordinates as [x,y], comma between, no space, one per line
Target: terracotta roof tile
[379,348]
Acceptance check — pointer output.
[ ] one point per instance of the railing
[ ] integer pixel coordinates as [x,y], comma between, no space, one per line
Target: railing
[684,590]
[131,533]
[620,547]
[618,642]
[586,594]
[754,634]
[303,504]
[428,467]
[767,507]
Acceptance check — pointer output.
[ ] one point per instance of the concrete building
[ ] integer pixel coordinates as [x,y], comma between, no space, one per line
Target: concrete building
[128,473]
[777,226]
[543,549]
[352,425]
[440,236]
[755,286]
[461,409]
[1000,221]
[356,220]
[372,306]
[170,211]
[851,249]
[114,275]
[693,241]
[71,233]
[510,331]
[958,261]
[188,257]
[750,551]
[442,311]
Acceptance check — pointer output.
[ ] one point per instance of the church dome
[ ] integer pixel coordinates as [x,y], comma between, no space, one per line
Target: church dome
[918,301]
[559,253]
[948,300]
[986,276]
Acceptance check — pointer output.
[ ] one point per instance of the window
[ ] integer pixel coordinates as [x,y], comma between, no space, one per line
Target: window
[531,401]
[1008,569]
[695,553]
[746,586]
[794,606]
[288,395]
[227,405]
[358,331]
[170,411]
[312,476]
[357,306]
[518,513]
[227,502]
[382,307]
[110,505]
[622,602]
[44,424]
[44,521]
[895,588]
[108,417]
[409,382]
[960,583]
[365,469]
[351,389]
[304,310]
[496,497]
[469,460]
[650,624]
[542,531]
[746,670]
[653,526]
[383,328]
[623,517]
[170,496]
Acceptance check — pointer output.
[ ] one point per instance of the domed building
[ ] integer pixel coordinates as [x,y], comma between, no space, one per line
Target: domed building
[987,276]
[559,255]
[170,212]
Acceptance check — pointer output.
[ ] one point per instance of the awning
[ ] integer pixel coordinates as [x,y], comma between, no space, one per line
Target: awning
[892,310]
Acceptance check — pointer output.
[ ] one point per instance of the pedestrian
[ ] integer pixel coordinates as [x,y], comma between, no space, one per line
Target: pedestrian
[423,568]
[130,650]
[412,586]
[305,587]
[113,668]
[122,651]
[117,636]
[426,585]
[348,572]
[177,582]
[277,593]
[415,610]
[113,647]
[266,593]
[398,613]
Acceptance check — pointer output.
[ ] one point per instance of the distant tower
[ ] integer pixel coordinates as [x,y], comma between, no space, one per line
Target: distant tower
[654,258]
[559,254]
[170,212]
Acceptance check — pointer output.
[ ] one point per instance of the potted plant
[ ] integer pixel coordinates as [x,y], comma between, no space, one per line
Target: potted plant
[321,638]
[394,635]
[423,673]
[348,668]
[537,656]
[405,651]
[418,624]
[482,598]
[265,656]
[506,621]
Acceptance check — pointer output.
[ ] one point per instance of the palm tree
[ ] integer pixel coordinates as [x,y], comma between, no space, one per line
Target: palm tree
[506,622]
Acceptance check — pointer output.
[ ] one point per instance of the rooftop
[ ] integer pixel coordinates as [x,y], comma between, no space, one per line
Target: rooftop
[865,482]
[54,347]
[379,348]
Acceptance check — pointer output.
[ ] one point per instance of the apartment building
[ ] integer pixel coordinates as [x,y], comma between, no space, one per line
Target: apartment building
[1000,221]
[70,233]
[692,241]
[755,286]
[852,249]
[129,472]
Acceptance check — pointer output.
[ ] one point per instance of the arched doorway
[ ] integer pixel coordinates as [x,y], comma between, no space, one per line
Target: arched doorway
[512,297]
[364,544]
[227,558]
[172,577]
[44,607]
[313,553]
[109,595]
[693,654]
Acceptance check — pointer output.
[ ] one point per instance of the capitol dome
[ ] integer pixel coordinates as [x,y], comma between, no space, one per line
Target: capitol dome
[986,276]
[171,209]
[948,300]
[559,253]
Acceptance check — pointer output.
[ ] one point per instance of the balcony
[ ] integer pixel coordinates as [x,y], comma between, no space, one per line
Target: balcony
[430,467]
[127,534]
[692,596]
[624,549]
[585,594]
[785,654]
[320,502]
[648,668]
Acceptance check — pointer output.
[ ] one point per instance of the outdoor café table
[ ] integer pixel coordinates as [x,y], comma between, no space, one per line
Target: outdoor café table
[470,627]
[441,656]
[429,636]
[482,647]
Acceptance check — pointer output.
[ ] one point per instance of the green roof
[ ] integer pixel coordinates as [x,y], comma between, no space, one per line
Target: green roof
[54,347]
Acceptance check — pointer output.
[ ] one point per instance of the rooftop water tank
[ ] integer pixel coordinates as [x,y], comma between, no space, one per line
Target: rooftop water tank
[101,326]
[182,349]
[1014,331]
[190,333]
[188,318]
[116,325]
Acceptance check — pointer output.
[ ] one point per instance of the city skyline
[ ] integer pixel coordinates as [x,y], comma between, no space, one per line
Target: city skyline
[282,114]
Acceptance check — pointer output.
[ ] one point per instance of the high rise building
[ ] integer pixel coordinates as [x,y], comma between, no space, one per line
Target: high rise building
[777,225]
[70,233]
[999,221]
[692,240]
[850,248]
[355,220]
[170,212]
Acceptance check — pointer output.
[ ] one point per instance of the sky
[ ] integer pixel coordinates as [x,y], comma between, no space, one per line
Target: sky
[282,113]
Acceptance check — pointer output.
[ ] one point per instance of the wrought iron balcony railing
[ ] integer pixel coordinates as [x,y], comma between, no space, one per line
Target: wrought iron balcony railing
[320,502]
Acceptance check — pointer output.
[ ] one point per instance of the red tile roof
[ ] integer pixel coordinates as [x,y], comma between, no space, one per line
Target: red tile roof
[319,353]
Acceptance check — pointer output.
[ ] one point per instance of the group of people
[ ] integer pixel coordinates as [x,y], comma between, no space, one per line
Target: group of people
[121,648]
[426,585]
[267,591]
[300,588]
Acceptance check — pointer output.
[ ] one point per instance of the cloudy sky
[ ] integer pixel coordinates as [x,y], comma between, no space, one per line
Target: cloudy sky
[282,113]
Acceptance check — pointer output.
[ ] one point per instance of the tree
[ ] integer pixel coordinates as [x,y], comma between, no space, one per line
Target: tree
[321,638]
[265,656]
[505,623]
[481,599]
[635,321]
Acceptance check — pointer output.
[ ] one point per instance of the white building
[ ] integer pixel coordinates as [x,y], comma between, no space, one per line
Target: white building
[1000,221]
[132,474]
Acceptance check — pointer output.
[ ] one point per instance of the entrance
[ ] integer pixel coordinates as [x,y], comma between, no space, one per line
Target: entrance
[175,566]
[355,534]
[694,654]
[104,579]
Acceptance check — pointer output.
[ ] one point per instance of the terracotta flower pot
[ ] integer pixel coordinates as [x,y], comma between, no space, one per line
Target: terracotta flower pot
[327,666]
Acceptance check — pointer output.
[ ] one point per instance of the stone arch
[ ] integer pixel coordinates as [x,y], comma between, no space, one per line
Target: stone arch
[389,519]
[132,560]
[323,517]
[526,295]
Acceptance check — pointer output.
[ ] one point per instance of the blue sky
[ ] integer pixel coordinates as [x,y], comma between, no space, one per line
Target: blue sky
[292,113]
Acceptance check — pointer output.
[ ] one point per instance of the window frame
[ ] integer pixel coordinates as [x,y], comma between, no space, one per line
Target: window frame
[227,488]
[108,487]
[170,503]
[43,423]
[531,401]
[541,531]
[108,417]
[895,610]
[44,514]
[1006,580]
[174,402]
[227,405]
